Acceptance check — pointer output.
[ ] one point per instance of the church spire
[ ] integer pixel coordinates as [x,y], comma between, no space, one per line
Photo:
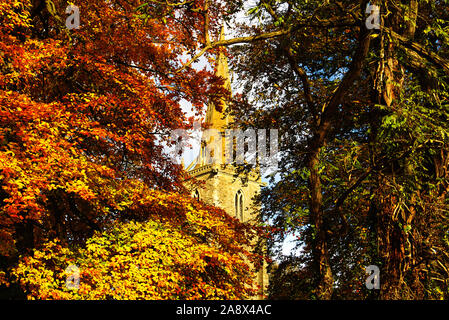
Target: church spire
[222,64]
[218,119]
[215,119]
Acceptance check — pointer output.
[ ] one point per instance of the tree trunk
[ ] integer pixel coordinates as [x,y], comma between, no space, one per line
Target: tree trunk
[328,116]
[319,251]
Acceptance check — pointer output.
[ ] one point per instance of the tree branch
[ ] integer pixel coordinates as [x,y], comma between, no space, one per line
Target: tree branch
[304,79]
[420,50]
[264,36]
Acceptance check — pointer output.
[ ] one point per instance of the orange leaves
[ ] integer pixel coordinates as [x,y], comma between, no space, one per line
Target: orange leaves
[83,115]
[14,13]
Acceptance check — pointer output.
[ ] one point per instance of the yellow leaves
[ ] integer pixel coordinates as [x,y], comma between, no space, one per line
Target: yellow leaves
[148,260]
[80,188]
[3,280]
[11,16]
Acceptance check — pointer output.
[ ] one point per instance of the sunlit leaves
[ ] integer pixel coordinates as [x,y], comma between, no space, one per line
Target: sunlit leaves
[83,117]
[158,259]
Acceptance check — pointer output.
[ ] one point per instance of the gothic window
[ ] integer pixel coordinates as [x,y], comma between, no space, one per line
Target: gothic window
[239,205]
[196,195]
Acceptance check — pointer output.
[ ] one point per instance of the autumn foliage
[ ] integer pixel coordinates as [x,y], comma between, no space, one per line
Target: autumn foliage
[83,174]
[187,253]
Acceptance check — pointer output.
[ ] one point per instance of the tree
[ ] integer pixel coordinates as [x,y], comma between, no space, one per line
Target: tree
[181,249]
[363,112]
[84,117]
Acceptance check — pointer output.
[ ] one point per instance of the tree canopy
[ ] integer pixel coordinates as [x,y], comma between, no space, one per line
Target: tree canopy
[363,115]
[363,112]
[84,117]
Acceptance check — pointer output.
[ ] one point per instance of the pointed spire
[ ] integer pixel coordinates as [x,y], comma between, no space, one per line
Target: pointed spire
[215,118]
[222,63]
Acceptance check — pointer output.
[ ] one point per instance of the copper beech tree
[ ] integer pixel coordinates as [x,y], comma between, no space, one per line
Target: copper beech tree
[83,174]
[178,249]
[85,181]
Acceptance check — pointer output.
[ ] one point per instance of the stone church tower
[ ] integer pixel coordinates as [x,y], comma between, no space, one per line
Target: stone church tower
[222,186]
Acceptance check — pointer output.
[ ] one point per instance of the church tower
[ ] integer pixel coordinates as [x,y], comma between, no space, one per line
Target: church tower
[222,185]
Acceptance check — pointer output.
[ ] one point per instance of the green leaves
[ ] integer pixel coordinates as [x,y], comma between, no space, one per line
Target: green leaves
[384,158]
